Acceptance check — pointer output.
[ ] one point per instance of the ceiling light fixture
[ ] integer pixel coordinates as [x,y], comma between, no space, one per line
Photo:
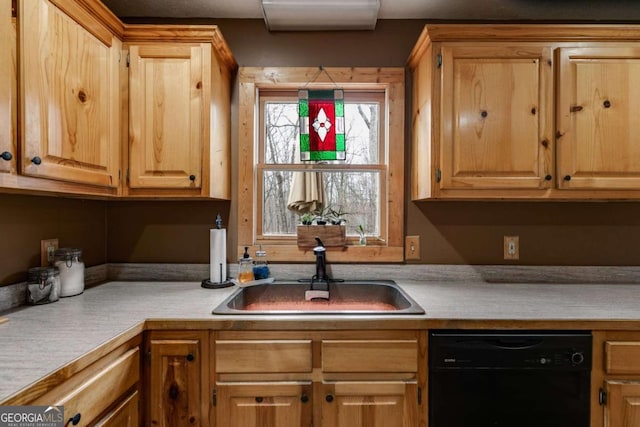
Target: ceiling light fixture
[320,15]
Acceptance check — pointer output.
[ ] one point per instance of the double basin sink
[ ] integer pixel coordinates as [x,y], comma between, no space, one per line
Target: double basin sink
[365,297]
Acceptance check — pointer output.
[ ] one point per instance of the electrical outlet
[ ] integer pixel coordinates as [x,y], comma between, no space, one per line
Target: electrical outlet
[47,248]
[511,247]
[412,247]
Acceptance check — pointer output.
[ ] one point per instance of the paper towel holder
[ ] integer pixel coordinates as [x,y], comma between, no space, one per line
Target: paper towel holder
[207,283]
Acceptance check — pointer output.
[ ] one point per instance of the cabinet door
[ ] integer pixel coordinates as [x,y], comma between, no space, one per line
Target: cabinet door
[370,404]
[70,95]
[167,106]
[8,84]
[598,126]
[496,118]
[276,404]
[623,404]
[175,383]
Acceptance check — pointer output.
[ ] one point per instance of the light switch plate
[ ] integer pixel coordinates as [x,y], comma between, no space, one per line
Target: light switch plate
[511,247]
[47,248]
[412,247]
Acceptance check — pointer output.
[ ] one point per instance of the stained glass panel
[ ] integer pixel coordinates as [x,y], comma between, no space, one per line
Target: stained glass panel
[321,124]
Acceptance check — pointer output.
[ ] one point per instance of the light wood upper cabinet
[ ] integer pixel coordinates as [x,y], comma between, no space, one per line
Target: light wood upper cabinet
[69,88]
[526,112]
[8,84]
[599,144]
[178,141]
[168,90]
[496,111]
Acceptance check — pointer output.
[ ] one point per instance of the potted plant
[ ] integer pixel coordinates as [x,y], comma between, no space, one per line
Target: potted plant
[336,216]
[321,215]
[329,227]
[363,237]
[306,218]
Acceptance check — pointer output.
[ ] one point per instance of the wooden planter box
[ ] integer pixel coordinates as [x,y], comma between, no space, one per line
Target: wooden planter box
[331,235]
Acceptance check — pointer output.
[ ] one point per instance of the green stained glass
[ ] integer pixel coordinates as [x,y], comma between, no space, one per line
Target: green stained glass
[304,142]
[303,105]
[339,108]
[340,142]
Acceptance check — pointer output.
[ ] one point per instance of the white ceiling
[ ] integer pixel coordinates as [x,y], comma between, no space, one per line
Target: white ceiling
[248,9]
[467,10]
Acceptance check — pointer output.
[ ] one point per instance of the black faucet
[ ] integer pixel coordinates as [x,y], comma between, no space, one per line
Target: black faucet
[320,281]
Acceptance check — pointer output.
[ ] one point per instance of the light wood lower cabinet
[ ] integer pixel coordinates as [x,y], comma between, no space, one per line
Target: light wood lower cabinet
[616,379]
[320,378]
[105,393]
[370,404]
[177,369]
[124,415]
[264,404]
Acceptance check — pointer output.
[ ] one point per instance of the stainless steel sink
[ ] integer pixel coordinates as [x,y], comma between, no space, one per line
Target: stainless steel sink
[348,297]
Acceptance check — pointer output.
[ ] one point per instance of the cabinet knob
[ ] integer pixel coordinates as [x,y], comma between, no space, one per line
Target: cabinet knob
[304,398]
[192,177]
[6,156]
[567,177]
[74,420]
[606,103]
[484,114]
[36,160]
[190,357]
[329,398]
[533,110]
[259,399]
[548,178]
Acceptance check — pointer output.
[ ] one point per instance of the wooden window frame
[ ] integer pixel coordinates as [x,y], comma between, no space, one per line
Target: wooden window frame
[391,81]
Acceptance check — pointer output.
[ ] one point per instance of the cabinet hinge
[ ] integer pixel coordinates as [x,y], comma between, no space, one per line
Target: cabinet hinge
[439,60]
[419,395]
[438,175]
[602,397]
[127,176]
[214,397]
[149,357]
[128,59]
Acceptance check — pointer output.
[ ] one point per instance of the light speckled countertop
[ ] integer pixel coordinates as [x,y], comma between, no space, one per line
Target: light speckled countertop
[38,340]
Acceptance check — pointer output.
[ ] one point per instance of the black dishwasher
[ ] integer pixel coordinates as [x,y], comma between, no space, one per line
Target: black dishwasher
[483,378]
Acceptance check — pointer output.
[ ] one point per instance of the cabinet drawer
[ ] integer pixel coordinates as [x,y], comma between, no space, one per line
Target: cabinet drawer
[622,357]
[97,392]
[369,356]
[124,415]
[263,356]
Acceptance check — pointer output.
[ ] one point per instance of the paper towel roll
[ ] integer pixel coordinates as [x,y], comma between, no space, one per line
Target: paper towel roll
[218,255]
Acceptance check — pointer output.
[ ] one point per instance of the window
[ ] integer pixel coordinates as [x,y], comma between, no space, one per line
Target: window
[368,185]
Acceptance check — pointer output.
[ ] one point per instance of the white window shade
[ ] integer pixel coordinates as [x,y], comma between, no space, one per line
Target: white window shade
[311,15]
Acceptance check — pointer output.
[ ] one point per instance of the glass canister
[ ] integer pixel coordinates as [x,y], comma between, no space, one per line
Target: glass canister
[245,267]
[260,265]
[43,285]
[69,262]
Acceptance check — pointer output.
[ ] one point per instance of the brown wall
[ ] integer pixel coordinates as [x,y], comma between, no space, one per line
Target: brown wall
[25,220]
[451,232]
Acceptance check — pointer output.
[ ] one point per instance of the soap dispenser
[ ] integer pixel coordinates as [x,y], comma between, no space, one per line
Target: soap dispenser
[245,267]
[260,266]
